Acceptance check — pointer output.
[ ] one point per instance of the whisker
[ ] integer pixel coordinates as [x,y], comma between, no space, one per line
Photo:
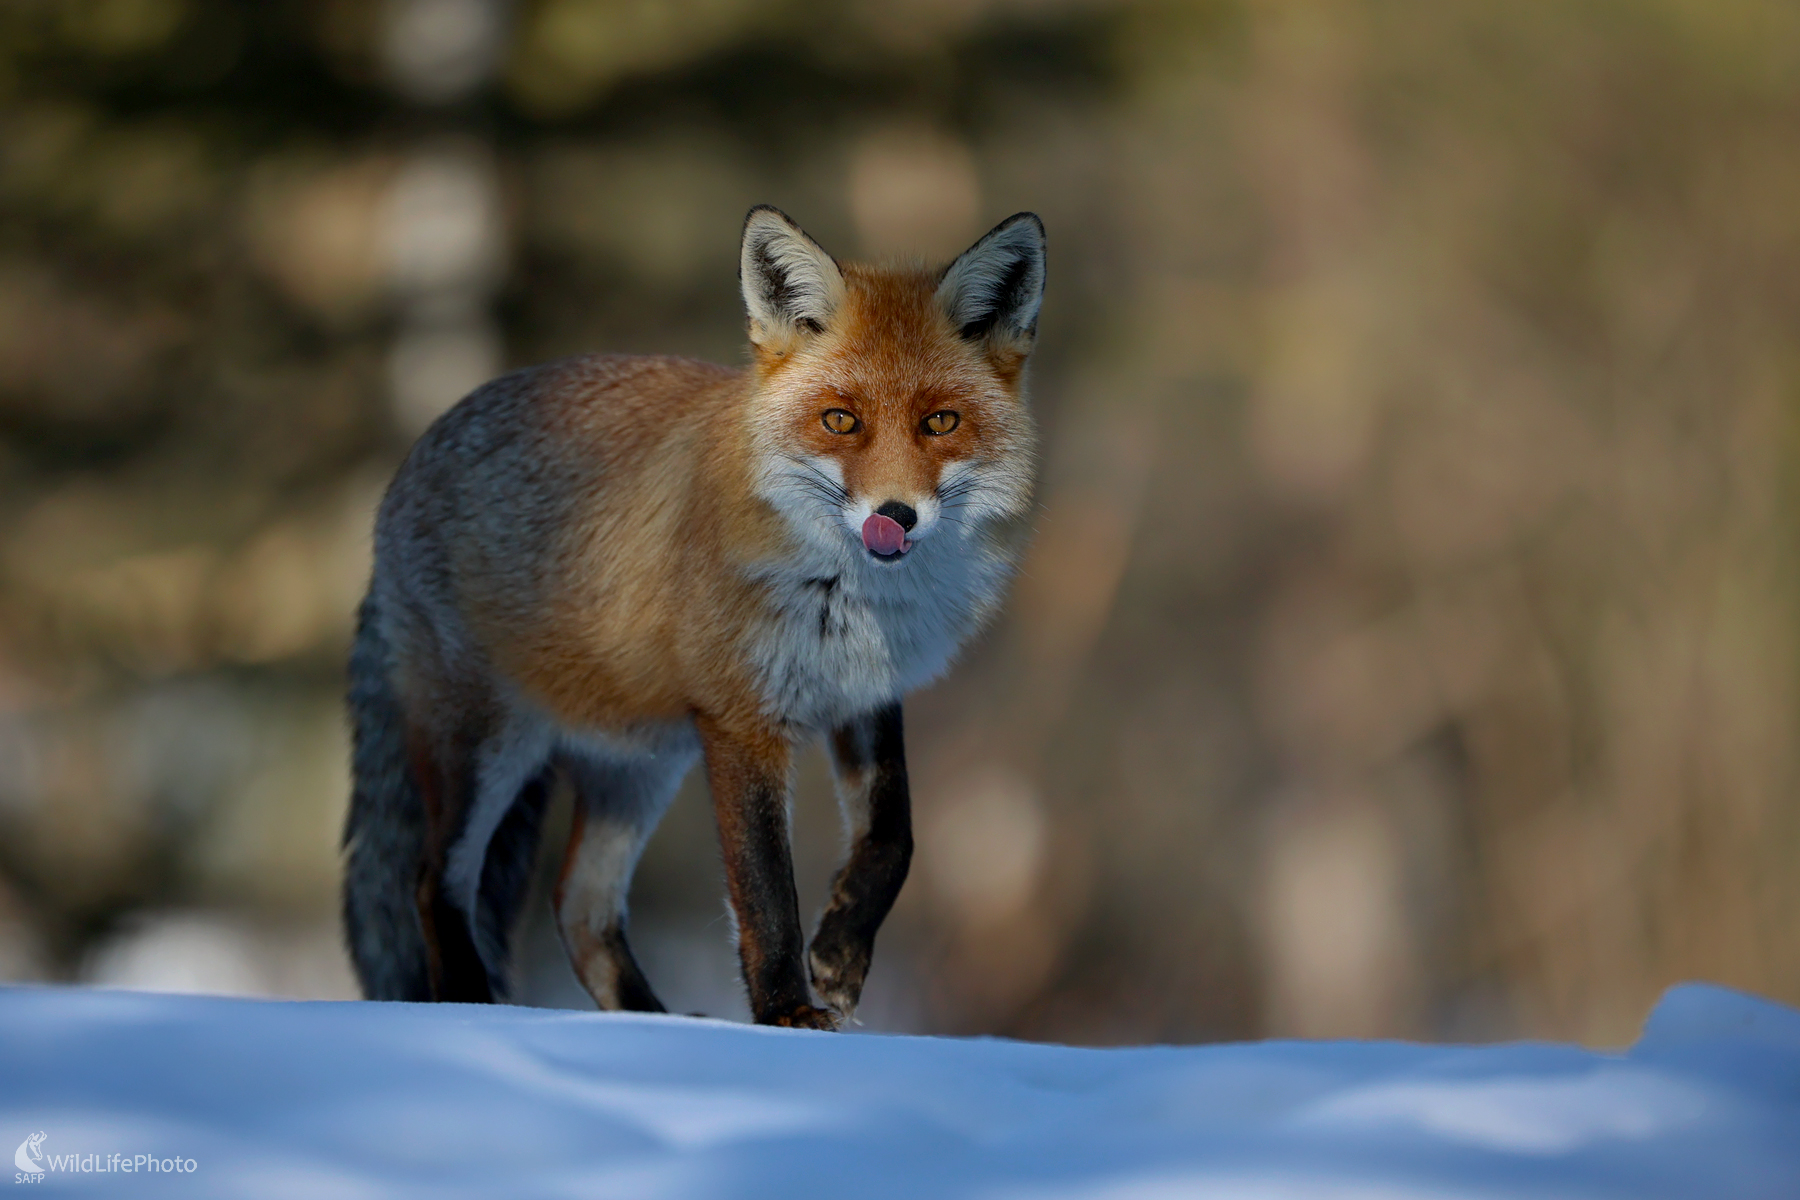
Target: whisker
[815,482]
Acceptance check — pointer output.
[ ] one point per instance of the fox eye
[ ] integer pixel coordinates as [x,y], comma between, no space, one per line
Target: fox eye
[941,422]
[841,420]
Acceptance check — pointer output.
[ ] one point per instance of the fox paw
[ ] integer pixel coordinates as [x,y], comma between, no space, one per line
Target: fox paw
[805,1016]
[838,980]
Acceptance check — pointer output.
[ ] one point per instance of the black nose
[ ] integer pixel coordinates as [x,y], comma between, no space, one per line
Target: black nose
[893,510]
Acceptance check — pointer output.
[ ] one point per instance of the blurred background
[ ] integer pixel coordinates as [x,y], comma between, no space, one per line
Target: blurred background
[1408,646]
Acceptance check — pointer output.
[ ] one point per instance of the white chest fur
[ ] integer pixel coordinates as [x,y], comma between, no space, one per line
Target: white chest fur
[847,636]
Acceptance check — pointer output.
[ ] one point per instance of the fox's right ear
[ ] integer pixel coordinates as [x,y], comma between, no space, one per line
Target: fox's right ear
[791,286]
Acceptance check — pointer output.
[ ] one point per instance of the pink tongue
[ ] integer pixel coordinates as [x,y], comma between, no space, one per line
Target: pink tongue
[884,535]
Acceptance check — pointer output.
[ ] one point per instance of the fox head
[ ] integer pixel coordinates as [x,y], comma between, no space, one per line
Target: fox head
[888,408]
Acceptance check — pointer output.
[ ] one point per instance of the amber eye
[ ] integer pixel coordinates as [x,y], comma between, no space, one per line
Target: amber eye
[941,422]
[841,420]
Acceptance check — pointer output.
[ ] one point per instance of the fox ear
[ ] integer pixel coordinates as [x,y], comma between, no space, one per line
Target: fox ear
[790,284]
[994,289]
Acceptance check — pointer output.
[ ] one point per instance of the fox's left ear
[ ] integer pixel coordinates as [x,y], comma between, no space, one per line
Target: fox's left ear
[992,292]
[791,286]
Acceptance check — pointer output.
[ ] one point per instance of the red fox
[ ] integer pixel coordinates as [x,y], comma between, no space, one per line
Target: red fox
[608,567]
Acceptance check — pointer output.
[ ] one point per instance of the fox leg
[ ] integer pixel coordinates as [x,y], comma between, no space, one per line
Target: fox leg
[444,769]
[497,774]
[869,758]
[617,806]
[748,773]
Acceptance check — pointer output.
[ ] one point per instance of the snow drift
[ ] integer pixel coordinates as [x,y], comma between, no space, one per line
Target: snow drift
[320,1100]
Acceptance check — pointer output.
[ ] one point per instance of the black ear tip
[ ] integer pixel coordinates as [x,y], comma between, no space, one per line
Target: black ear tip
[1020,218]
[758,209]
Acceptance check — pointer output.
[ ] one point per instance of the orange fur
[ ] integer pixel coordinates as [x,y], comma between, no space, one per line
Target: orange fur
[643,614]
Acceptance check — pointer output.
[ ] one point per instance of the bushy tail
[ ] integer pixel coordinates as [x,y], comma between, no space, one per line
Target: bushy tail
[384,837]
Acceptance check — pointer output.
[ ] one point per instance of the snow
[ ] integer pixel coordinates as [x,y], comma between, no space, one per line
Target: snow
[330,1099]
